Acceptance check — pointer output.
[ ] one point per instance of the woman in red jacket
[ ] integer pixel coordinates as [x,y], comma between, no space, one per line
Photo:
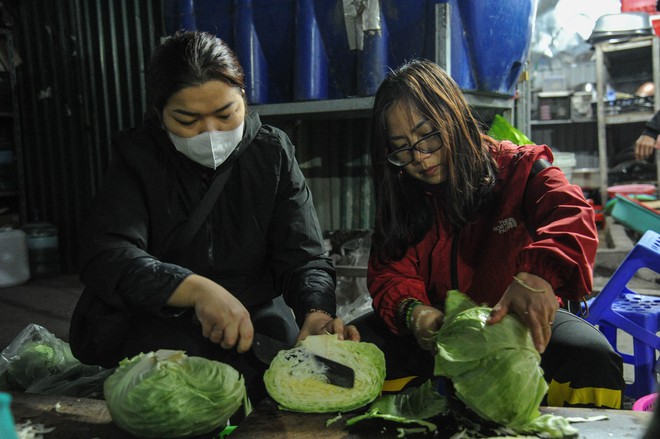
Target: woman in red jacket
[456,209]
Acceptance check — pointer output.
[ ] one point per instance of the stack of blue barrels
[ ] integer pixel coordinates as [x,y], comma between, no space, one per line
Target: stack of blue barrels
[298,50]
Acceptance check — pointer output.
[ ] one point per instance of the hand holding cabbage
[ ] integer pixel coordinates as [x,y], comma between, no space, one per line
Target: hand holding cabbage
[495,369]
[533,300]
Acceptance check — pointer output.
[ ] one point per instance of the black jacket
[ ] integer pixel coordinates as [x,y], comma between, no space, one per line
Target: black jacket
[652,126]
[262,238]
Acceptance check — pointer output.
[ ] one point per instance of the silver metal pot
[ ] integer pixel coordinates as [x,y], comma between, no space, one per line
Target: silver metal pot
[620,27]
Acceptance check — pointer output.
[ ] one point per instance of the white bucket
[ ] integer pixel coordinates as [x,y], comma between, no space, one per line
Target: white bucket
[14,261]
[566,162]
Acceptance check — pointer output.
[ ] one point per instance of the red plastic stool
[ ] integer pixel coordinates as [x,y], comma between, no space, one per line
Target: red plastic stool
[618,307]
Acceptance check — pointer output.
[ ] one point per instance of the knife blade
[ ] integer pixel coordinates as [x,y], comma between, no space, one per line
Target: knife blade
[265,348]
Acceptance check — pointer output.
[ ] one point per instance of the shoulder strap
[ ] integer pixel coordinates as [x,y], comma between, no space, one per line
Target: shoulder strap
[183,235]
[538,166]
[454,260]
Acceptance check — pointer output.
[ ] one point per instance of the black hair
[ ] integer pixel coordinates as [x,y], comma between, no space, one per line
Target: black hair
[188,59]
[403,210]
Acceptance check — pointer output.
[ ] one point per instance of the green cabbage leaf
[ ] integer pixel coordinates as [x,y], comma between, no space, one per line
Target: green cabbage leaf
[495,369]
[167,394]
[297,383]
[410,408]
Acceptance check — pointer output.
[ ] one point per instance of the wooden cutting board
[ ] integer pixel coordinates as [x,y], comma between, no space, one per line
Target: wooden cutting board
[267,421]
[72,418]
[80,418]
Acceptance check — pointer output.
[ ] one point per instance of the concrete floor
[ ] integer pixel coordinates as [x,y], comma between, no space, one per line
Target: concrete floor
[46,302]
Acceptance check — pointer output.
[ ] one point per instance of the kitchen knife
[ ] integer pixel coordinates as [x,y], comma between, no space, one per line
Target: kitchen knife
[265,348]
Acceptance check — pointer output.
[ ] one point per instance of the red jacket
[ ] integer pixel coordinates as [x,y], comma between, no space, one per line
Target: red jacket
[543,226]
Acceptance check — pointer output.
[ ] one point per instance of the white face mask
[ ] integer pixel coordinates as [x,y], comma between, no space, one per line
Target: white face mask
[210,148]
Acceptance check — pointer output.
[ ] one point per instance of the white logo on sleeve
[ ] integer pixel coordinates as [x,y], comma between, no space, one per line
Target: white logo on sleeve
[505,225]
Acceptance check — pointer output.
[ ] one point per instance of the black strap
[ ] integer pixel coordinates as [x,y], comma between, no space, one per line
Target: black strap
[538,166]
[183,235]
[454,260]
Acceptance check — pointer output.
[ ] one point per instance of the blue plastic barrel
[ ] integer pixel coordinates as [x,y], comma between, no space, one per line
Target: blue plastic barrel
[412,30]
[179,15]
[250,54]
[461,63]
[498,34]
[216,17]
[342,59]
[274,25]
[310,74]
[373,60]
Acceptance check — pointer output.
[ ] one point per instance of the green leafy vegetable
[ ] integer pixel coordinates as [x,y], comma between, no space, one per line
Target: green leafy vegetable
[167,394]
[297,382]
[501,129]
[410,407]
[494,368]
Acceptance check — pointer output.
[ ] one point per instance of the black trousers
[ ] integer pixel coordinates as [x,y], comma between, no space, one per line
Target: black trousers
[580,366]
[273,318]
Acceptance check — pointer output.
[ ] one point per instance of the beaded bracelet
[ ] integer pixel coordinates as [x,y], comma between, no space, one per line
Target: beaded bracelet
[406,308]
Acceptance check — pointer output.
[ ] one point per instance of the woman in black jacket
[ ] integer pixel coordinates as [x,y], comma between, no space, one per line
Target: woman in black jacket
[649,139]
[253,262]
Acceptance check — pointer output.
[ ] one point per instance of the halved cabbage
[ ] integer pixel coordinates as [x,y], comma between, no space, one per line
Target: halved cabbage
[166,394]
[297,382]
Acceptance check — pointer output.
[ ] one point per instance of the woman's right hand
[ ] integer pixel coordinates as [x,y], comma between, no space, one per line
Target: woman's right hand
[223,317]
[644,146]
[425,321]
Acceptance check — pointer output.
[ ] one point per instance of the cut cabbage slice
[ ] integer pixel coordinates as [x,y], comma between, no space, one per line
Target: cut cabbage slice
[297,382]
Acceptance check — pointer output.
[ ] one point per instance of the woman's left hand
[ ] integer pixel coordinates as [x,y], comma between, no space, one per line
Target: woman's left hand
[533,300]
[319,323]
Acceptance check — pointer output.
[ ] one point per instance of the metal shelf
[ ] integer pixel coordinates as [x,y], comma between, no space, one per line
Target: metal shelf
[623,63]
[632,117]
[347,107]
[561,121]
[361,106]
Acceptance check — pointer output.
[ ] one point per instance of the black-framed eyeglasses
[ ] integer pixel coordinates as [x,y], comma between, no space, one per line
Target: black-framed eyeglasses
[426,145]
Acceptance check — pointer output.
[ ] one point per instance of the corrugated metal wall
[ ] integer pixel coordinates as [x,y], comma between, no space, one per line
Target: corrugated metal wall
[333,154]
[81,81]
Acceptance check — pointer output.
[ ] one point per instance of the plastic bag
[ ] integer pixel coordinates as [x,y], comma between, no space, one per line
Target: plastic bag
[353,297]
[38,362]
[501,129]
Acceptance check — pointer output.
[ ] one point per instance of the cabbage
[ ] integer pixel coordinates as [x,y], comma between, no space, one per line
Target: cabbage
[494,368]
[409,408]
[297,383]
[167,394]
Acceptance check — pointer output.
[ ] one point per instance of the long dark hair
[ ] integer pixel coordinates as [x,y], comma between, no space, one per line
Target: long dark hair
[403,211]
[189,59]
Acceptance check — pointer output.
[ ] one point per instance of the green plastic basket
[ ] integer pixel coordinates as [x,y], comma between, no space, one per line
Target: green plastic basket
[635,215]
